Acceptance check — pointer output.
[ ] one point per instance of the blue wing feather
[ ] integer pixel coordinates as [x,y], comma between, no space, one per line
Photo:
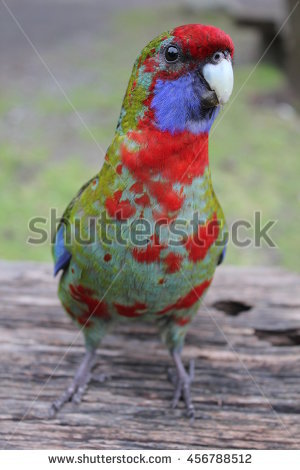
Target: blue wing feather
[222,255]
[61,255]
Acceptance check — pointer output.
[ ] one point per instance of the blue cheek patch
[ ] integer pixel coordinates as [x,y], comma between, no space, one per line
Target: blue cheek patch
[169,103]
[177,106]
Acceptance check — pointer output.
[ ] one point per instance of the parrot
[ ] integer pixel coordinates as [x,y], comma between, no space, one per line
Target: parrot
[118,247]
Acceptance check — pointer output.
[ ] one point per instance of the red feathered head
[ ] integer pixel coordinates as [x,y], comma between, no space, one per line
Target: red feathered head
[180,79]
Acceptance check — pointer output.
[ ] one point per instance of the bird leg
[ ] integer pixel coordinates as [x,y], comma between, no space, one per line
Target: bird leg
[80,382]
[182,384]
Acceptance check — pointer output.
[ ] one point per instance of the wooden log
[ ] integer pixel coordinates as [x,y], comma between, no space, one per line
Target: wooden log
[245,340]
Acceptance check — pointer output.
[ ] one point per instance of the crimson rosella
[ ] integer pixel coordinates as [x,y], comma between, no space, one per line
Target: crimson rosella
[138,265]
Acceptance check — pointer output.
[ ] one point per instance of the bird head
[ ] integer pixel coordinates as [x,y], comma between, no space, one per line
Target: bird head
[179,81]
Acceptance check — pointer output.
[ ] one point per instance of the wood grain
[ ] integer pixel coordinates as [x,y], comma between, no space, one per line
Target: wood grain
[246,342]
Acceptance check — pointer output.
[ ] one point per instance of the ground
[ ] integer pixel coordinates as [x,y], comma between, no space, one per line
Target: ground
[244,340]
[47,150]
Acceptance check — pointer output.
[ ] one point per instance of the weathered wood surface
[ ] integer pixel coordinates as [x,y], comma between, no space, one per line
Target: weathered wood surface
[247,369]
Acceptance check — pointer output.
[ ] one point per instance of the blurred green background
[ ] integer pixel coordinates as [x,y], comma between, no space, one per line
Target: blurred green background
[46,153]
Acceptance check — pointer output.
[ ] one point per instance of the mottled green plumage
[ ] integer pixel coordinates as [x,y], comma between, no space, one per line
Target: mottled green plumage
[156,171]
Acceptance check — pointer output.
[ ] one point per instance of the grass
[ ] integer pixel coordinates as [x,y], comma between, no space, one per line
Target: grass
[254,150]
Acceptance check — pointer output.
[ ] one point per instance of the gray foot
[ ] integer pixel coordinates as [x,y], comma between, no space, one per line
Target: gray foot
[182,380]
[80,382]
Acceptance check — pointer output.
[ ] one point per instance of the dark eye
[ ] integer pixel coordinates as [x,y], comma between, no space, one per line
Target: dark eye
[171,54]
[217,57]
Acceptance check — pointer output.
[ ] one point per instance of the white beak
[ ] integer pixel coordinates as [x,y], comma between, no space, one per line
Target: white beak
[220,79]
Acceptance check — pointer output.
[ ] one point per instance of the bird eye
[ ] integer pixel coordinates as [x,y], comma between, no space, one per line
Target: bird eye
[217,56]
[171,54]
